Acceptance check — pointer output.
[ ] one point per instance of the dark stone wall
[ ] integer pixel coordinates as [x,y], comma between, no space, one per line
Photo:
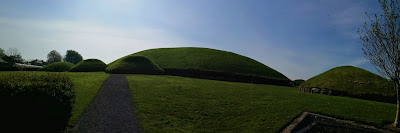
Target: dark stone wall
[226,77]
[365,96]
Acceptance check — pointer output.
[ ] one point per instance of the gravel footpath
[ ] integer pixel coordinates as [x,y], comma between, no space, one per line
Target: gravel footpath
[111,110]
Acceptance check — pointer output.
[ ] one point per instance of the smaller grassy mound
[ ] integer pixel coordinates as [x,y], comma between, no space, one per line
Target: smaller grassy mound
[354,82]
[297,82]
[35,102]
[89,65]
[57,67]
[134,65]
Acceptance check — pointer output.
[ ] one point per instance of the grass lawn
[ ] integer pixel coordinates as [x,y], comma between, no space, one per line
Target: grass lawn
[179,104]
[86,86]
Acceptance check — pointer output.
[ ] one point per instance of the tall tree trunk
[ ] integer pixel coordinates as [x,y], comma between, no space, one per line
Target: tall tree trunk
[397,120]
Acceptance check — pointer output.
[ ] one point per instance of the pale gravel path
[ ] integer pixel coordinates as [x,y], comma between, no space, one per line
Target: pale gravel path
[111,111]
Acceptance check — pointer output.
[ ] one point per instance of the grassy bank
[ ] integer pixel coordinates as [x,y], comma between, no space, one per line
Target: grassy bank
[178,104]
[86,85]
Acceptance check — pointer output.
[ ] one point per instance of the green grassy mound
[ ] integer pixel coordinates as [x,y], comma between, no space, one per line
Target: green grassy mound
[57,67]
[134,65]
[354,82]
[297,82]
[35,102]
[178,104]
[89,65]
[212,64]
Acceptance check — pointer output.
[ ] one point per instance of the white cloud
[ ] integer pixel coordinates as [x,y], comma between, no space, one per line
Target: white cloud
[358,62]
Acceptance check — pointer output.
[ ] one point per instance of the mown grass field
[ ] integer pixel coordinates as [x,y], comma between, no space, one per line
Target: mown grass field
[178,104]
[86,86]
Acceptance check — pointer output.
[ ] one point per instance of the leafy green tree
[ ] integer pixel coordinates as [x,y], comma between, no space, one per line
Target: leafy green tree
[53,56]
[381,44]
[73,57]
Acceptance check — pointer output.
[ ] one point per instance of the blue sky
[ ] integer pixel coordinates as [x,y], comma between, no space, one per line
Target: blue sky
[299,38]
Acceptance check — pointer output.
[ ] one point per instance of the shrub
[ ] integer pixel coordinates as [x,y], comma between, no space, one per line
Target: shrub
[57,67]
[89,65]
[30,69]
[35,102]
[135,65]
[8,68]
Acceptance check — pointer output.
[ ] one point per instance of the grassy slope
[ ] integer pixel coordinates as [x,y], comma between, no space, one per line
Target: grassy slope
[89,65]
[134,64]
[348,78]
[209,60]
[86,86]
[178,104]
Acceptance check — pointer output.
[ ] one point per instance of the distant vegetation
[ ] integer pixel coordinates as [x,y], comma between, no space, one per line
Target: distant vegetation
[179,104]
[38,102]
[134,65]
[57,67]
[54,56]
[11,60]
[89,65]
[354,82]
[7,63]
[297,82]
[212,64]
[2,52]
[73,57]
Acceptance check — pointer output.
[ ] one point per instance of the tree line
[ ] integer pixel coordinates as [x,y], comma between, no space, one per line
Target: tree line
[12,55]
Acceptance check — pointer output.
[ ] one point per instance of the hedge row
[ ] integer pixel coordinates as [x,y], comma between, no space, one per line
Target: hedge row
[57,67]
[8,68]
[35,102]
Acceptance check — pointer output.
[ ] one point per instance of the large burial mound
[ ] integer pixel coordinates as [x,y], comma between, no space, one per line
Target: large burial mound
[89,65]
[213,64]
[134,65]
[351,81]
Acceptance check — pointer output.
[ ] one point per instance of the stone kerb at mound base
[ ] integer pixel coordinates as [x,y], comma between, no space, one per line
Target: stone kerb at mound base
[310,122]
